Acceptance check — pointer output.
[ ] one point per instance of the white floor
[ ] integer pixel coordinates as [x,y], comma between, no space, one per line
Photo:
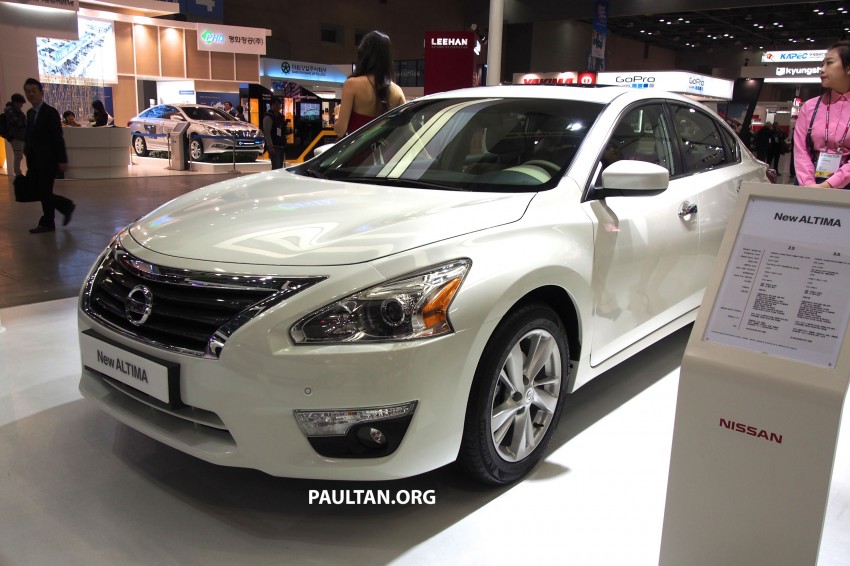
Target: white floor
[77,488]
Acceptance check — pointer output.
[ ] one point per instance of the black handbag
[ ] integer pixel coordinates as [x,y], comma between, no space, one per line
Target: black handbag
[24,190]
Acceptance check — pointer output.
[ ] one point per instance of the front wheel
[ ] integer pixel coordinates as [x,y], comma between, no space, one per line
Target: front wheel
[516,396]
[196,149]
[139,146]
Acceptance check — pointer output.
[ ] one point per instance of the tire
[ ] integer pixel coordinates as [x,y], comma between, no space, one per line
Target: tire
[140,147]
[503,404]
[196,149]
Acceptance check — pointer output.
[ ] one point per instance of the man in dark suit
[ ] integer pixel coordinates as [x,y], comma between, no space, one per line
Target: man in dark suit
[44,149]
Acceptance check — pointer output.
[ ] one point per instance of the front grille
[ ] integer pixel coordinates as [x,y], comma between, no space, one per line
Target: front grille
[176,309]
[244,134]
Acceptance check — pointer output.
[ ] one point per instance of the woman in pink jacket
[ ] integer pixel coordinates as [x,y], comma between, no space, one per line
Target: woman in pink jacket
[821,141]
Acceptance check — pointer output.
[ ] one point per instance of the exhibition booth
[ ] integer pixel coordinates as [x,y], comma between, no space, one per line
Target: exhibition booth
[126,57]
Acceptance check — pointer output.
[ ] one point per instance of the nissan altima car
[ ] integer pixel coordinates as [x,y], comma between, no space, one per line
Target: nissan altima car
[427,291]
[209,131]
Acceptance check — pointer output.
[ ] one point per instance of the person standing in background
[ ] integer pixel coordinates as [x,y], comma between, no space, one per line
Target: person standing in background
[44,148]
[100,117]
[239,114]
[821,144]
[370,91]
[775,149]
[228,107]
[16,122]
[764,140]
[273,130]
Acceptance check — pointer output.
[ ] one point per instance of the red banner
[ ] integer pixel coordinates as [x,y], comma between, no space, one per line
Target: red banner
[449,60]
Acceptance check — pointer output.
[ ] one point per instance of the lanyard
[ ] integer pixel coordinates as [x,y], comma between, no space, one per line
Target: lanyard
[826,132]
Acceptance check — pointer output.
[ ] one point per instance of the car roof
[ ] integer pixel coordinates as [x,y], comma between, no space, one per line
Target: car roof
[597,94]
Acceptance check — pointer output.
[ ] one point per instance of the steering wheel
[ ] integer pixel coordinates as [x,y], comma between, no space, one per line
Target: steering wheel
[552,168]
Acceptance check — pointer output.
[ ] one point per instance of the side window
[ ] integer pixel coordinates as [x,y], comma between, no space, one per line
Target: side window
[731,142]
[643,135]
[703,146]
[169,111]
[150,112]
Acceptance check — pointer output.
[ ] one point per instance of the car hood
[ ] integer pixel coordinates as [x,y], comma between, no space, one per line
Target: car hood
[228,125]
[280,218]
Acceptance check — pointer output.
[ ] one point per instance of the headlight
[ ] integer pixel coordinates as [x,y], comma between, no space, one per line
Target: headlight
[412,306]
[216,132]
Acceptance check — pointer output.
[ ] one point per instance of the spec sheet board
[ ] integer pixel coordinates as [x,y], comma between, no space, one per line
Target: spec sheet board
[786,288]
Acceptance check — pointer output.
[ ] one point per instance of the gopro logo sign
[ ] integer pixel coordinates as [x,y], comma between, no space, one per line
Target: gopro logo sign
[696,84]
[637,81]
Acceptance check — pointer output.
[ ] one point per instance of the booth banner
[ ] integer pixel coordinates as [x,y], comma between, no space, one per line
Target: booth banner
[596,61]
[449,60]
[565,78]
[672,81]
[302,71]
[231,39]
[811,56]
[72,5]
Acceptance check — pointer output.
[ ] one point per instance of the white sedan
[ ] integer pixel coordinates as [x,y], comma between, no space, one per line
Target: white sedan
[426,291]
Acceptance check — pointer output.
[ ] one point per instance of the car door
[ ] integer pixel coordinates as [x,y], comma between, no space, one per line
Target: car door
[165,122]
[711,154]
[146,126]
[646,246]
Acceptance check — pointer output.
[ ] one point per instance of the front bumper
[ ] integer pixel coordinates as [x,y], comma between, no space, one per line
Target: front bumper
[240,410]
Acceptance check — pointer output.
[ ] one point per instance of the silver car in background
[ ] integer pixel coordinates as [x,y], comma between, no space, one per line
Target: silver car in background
[210,131]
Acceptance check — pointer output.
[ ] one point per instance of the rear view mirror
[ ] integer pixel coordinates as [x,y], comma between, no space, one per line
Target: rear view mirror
[629,175]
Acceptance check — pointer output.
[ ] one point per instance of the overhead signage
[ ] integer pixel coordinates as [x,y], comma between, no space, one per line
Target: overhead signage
[72,5]
[813,55]
[672,81]
[565,78]
[806,73]
[301,70]
[231,39]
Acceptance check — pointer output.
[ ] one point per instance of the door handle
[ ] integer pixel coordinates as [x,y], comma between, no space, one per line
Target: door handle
[686,209]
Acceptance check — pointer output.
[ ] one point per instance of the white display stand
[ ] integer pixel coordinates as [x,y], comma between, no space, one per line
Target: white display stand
[97,153]
[762,385]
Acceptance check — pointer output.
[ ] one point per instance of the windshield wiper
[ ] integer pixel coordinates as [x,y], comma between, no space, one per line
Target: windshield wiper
[402,182]
[314,173]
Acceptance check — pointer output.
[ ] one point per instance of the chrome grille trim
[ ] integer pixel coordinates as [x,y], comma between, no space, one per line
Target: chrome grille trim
[194,313]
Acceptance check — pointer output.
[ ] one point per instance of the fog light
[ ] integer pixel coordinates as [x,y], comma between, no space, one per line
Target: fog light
[373,432]
[371,437]
[339,421]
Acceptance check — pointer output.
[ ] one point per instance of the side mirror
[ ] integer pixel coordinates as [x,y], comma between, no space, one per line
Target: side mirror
[177,117]
[635,176]
[317,151]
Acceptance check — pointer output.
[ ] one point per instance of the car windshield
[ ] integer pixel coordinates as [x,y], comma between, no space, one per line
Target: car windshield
[207,114]
[481,144]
